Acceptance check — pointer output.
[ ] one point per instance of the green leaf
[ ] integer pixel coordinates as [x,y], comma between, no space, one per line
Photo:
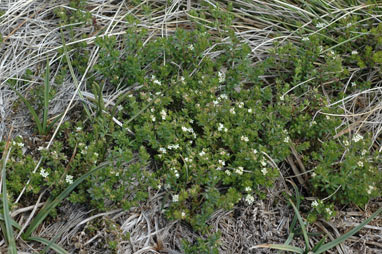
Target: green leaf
[280,247]
[14,223]
[304,232]
[342,238]
[46,99]
[31,110]
[51,205]
[49,244]
[7,218]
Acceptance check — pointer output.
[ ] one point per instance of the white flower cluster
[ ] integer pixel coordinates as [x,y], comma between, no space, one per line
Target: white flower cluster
[370,189]
[175,172]
[18,144]
[69,179]
[170,147]
[175,198]
[249,199]
[239,170]
[264,171]
[163,114]
[43,173]
[360,164]
[244,138]
[155,81]
[222,128]
[357,137]
[189,160]
[162,150]
[314,203]
[221,76]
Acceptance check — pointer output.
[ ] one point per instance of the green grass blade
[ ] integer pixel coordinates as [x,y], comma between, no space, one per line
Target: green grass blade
[51,205]
[7,218]
[14,223]
[49,244]
[299,218]
[342,238]
[280,247]
[31,110]
[72,72]
[46,98]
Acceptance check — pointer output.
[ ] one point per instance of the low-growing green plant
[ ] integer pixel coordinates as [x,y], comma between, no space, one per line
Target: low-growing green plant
[43,213]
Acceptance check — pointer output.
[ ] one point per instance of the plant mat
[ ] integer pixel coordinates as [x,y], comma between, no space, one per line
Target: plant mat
[31,35]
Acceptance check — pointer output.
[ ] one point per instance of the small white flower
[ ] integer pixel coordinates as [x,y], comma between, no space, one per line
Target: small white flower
[182,79]
[157,82]
[175,198]
[353,83]
[232,110]
[191,47]
[249,199]
[188,159]
[96,154]
[363,152]
[327,209]
[286,140]
[220,127]
[328,117]
[314,174]
[202,153]
[263,162]
[69,179]
[223,96]
[370,189]
[219,168]
[305,39]
[360,164]
[254,151]
[176,173]
[221,76]
[183,214]
[244,138]
[215,102]
[162,150]
[239,170]
[264,171]
[248,189]
[281,98]
[249,110]
[357,138]
[43,173]
[153,118]
[221,162]
[348,25]
[228,172]
[346,143]
[184,128]
[79,128]
[163,114]
[320,25]
[314,203]
[240,104]
[354,52]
